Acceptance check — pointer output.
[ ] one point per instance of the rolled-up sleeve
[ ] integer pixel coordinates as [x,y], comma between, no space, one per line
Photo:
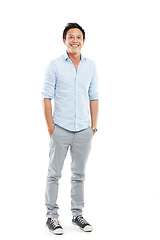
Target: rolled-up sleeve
[93,88]
[49,81]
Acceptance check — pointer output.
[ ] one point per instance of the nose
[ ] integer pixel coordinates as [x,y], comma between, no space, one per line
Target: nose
[74,39]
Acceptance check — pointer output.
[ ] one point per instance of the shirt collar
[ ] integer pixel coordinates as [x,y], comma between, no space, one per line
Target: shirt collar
[83,58]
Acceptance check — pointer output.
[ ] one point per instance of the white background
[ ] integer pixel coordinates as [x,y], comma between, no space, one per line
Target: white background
[122,188]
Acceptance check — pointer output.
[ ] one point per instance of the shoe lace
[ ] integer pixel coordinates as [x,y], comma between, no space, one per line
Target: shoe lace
[81,220]
[55,222]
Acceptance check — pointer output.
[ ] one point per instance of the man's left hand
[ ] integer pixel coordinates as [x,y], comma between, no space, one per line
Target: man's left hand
[93,132]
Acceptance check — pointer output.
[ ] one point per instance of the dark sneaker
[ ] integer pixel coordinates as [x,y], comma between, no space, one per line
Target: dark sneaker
[54,226]
[82,223]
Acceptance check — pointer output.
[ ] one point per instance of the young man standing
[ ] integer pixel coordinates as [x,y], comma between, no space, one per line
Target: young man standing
[72,81]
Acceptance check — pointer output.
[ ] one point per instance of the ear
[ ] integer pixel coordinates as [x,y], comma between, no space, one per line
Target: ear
[64,41]
[84,41]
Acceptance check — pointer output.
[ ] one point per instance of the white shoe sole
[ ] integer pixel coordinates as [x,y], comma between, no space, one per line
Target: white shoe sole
[86,229]
[58,231]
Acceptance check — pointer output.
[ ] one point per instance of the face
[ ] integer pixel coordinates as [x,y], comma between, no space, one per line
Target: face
[74,40]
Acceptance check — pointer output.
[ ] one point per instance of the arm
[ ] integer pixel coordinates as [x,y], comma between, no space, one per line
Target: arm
[47,108]
[94,112]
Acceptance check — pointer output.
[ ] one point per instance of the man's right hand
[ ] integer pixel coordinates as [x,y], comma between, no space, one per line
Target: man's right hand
[51,132]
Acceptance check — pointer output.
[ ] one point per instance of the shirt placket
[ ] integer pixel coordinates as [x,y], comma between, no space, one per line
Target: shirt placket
[75,92]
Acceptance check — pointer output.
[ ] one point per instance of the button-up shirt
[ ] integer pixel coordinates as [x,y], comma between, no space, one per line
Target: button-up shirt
[71,91]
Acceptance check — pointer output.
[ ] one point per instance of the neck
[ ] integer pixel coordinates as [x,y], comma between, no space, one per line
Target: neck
[76,57]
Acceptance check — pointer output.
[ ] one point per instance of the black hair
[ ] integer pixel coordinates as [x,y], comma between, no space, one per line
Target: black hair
[72,25]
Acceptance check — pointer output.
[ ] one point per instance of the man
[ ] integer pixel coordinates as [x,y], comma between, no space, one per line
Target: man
[72,81]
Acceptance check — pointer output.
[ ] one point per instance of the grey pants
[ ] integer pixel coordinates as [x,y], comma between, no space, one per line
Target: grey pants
[80,145]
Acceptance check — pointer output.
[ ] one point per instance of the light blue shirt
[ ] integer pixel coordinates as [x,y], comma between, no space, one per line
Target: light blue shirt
[71,91]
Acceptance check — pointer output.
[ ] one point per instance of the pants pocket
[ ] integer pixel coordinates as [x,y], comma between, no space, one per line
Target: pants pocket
[53,131]
[91,131]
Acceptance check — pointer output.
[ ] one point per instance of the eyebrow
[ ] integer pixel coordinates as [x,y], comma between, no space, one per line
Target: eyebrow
[76,35]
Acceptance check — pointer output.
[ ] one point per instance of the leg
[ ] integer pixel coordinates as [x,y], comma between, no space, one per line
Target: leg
[80,150]
[58,151]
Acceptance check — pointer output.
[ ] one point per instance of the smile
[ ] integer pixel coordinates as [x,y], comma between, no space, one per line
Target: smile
[74,45]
